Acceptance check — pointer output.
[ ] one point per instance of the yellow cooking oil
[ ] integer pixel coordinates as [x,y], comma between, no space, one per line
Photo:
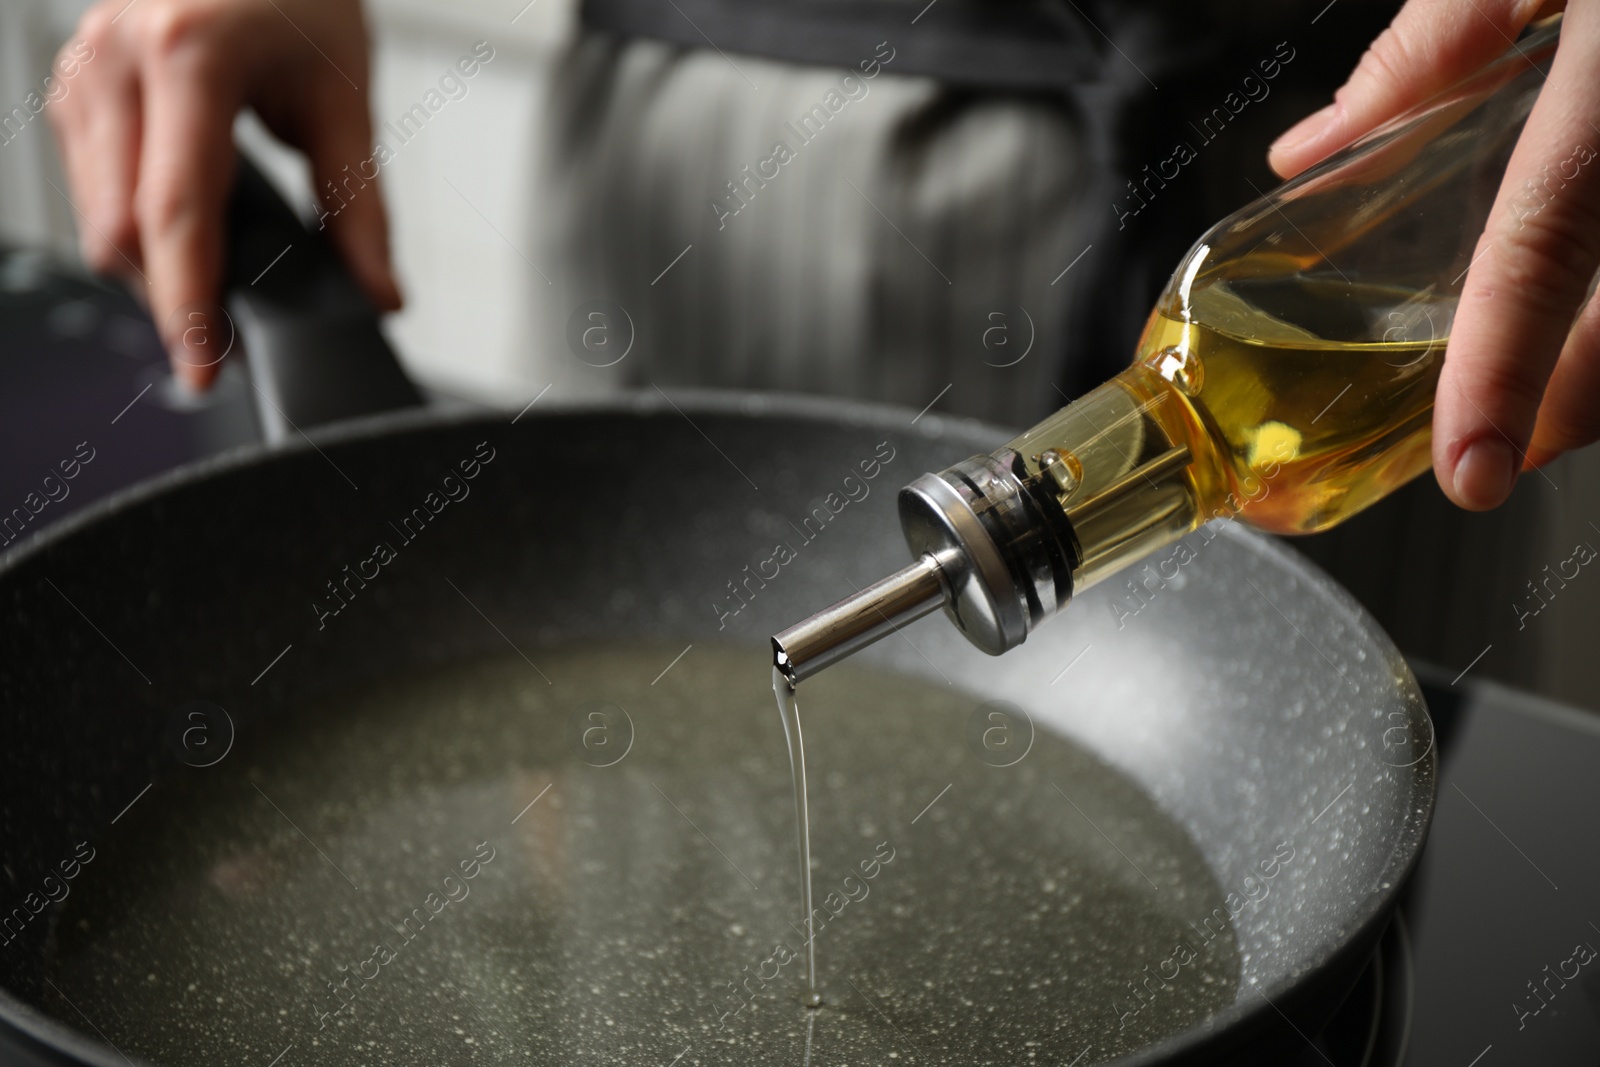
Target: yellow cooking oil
[1285,401]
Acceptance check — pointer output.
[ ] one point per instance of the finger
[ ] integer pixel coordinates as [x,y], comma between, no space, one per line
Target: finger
[1430,46]
[97,126]
[1531,274]
[1569,416]
[185,170]
[338,139]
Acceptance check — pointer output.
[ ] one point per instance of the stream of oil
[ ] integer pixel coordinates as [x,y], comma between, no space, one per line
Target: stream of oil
[789,715]
[466,864]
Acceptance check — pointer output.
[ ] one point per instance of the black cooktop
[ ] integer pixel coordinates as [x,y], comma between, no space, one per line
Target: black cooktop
[1493,959]
[1503,920]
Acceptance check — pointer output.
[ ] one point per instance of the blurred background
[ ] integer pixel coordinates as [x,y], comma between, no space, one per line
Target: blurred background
[493,251]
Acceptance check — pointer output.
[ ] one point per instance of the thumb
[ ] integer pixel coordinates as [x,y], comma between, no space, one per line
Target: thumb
[1430,46]
[338,139]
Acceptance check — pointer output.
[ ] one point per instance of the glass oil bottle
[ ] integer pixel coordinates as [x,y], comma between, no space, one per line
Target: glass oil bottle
[1285,379]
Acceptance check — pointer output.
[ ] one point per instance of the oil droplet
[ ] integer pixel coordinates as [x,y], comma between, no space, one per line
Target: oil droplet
[1063,468]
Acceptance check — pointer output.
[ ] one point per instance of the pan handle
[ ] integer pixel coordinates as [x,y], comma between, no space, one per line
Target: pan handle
[310,334]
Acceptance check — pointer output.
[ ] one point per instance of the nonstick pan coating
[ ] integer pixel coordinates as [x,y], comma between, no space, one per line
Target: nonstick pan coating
[1247,695]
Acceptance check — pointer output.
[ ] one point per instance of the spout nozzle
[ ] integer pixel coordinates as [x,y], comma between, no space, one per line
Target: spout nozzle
[857,621]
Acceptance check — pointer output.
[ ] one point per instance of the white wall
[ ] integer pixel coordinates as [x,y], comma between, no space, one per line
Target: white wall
[31,212]
[480,320]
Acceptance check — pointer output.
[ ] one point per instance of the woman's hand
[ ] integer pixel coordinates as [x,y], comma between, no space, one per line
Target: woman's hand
[146,132]
[1521,382]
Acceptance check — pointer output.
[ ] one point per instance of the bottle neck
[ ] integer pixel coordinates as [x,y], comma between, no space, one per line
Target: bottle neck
[1121,472]
[1004,541]
[1095,487]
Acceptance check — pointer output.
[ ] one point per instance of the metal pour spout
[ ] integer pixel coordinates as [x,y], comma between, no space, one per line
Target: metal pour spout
[984,552]
[857,621]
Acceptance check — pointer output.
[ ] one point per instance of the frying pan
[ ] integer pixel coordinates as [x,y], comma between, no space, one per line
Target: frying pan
[1252,701]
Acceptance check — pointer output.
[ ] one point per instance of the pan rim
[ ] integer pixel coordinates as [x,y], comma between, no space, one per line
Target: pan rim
[746,403]
[1379,909]
[53,1036]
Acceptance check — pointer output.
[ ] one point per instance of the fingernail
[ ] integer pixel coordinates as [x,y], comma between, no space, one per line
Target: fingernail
[1307,129]
[397,295]
[1485,474]
[380,282]
[187,378]
[192,379]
